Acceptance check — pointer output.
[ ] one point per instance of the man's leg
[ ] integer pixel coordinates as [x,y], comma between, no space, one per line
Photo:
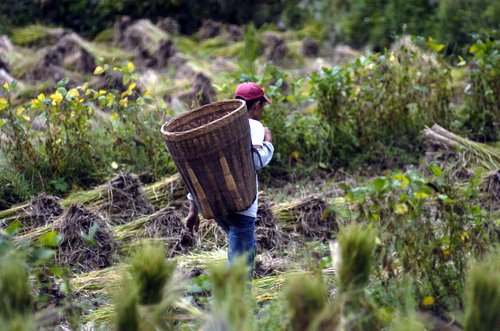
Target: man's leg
[241,238]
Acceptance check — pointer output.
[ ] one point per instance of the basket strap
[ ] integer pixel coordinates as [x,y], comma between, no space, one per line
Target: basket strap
[254,151]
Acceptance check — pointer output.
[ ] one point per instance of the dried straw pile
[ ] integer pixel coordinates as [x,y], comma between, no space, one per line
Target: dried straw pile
[125,199]
[88,243]
[268,234]
[40,211]
[168,224]
[165,225]
[307,216]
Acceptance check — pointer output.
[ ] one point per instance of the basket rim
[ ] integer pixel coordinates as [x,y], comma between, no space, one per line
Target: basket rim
[194,131]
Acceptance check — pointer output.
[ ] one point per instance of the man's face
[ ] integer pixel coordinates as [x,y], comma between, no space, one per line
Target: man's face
[259,109]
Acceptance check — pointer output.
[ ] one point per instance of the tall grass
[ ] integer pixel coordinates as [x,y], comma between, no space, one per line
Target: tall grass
[232,305]
[483,294]
[150,271]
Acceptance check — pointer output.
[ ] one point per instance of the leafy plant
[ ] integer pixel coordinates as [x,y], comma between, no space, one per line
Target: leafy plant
[427,227]
[376,106]
[482,93]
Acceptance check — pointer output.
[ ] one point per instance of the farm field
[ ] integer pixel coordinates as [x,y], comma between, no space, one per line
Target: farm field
[379,211]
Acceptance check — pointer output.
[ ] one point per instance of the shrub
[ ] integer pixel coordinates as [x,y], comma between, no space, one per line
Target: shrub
[73,147]
[66,151]
[427,228]
[482,94]
[376,106]
[13,188]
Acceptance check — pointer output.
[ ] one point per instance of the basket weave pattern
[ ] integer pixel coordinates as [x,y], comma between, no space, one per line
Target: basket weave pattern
[210,146]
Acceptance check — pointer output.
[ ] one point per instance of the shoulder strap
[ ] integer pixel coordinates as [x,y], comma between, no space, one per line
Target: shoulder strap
[254,150]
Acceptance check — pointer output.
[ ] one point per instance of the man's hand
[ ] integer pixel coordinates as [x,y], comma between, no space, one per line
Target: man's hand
[192,219]
[267,135]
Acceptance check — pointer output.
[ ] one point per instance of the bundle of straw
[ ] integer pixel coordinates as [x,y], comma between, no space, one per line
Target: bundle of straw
[159,193]
[469,155]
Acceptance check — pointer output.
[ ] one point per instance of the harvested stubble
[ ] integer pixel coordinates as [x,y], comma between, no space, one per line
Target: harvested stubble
[40,211]
[211,235]
[268,234]
[492,187]
[88,242]
[267,265]
[165,224]
[100,281]
[306,216]
[469,155]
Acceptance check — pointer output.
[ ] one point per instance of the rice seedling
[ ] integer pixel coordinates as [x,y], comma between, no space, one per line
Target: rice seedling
[231,308]
[306,297]
[126,315]
[356,250]
[15,288]
[18,322]
[483,294]
[151,272]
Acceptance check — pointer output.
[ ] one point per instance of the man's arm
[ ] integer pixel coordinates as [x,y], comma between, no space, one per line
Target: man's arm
[263,154]
[192,219]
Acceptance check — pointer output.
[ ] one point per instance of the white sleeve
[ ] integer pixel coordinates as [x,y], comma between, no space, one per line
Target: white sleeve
[263,155]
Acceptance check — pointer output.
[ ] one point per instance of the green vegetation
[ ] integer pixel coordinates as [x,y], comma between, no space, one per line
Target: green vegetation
[379,211]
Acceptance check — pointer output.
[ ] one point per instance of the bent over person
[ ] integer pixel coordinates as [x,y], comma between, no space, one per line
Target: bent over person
[239,226]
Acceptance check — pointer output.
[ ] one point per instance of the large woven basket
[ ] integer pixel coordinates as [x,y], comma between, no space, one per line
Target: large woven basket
[211,147]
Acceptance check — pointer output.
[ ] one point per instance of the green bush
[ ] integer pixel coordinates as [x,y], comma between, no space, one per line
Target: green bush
[76,148]
[376,106]
[13,188]
[482,94]
[427,228]
[379,23]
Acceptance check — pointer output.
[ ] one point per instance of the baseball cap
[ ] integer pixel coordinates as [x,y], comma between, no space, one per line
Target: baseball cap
[249,91]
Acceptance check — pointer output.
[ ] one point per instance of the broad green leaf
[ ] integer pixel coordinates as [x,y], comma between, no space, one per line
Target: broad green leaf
[99,70]
[377,185]
[401,181]
[4,103]
[130,66]
[421,195]
[50,239]
[401,209]
[436,171]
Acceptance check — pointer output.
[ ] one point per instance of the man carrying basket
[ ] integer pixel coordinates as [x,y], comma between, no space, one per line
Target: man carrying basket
[240,226]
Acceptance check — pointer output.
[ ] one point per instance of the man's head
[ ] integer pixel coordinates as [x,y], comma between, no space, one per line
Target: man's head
[255,98]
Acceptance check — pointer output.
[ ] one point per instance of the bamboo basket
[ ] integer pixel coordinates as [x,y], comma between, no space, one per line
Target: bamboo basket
[211,147]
